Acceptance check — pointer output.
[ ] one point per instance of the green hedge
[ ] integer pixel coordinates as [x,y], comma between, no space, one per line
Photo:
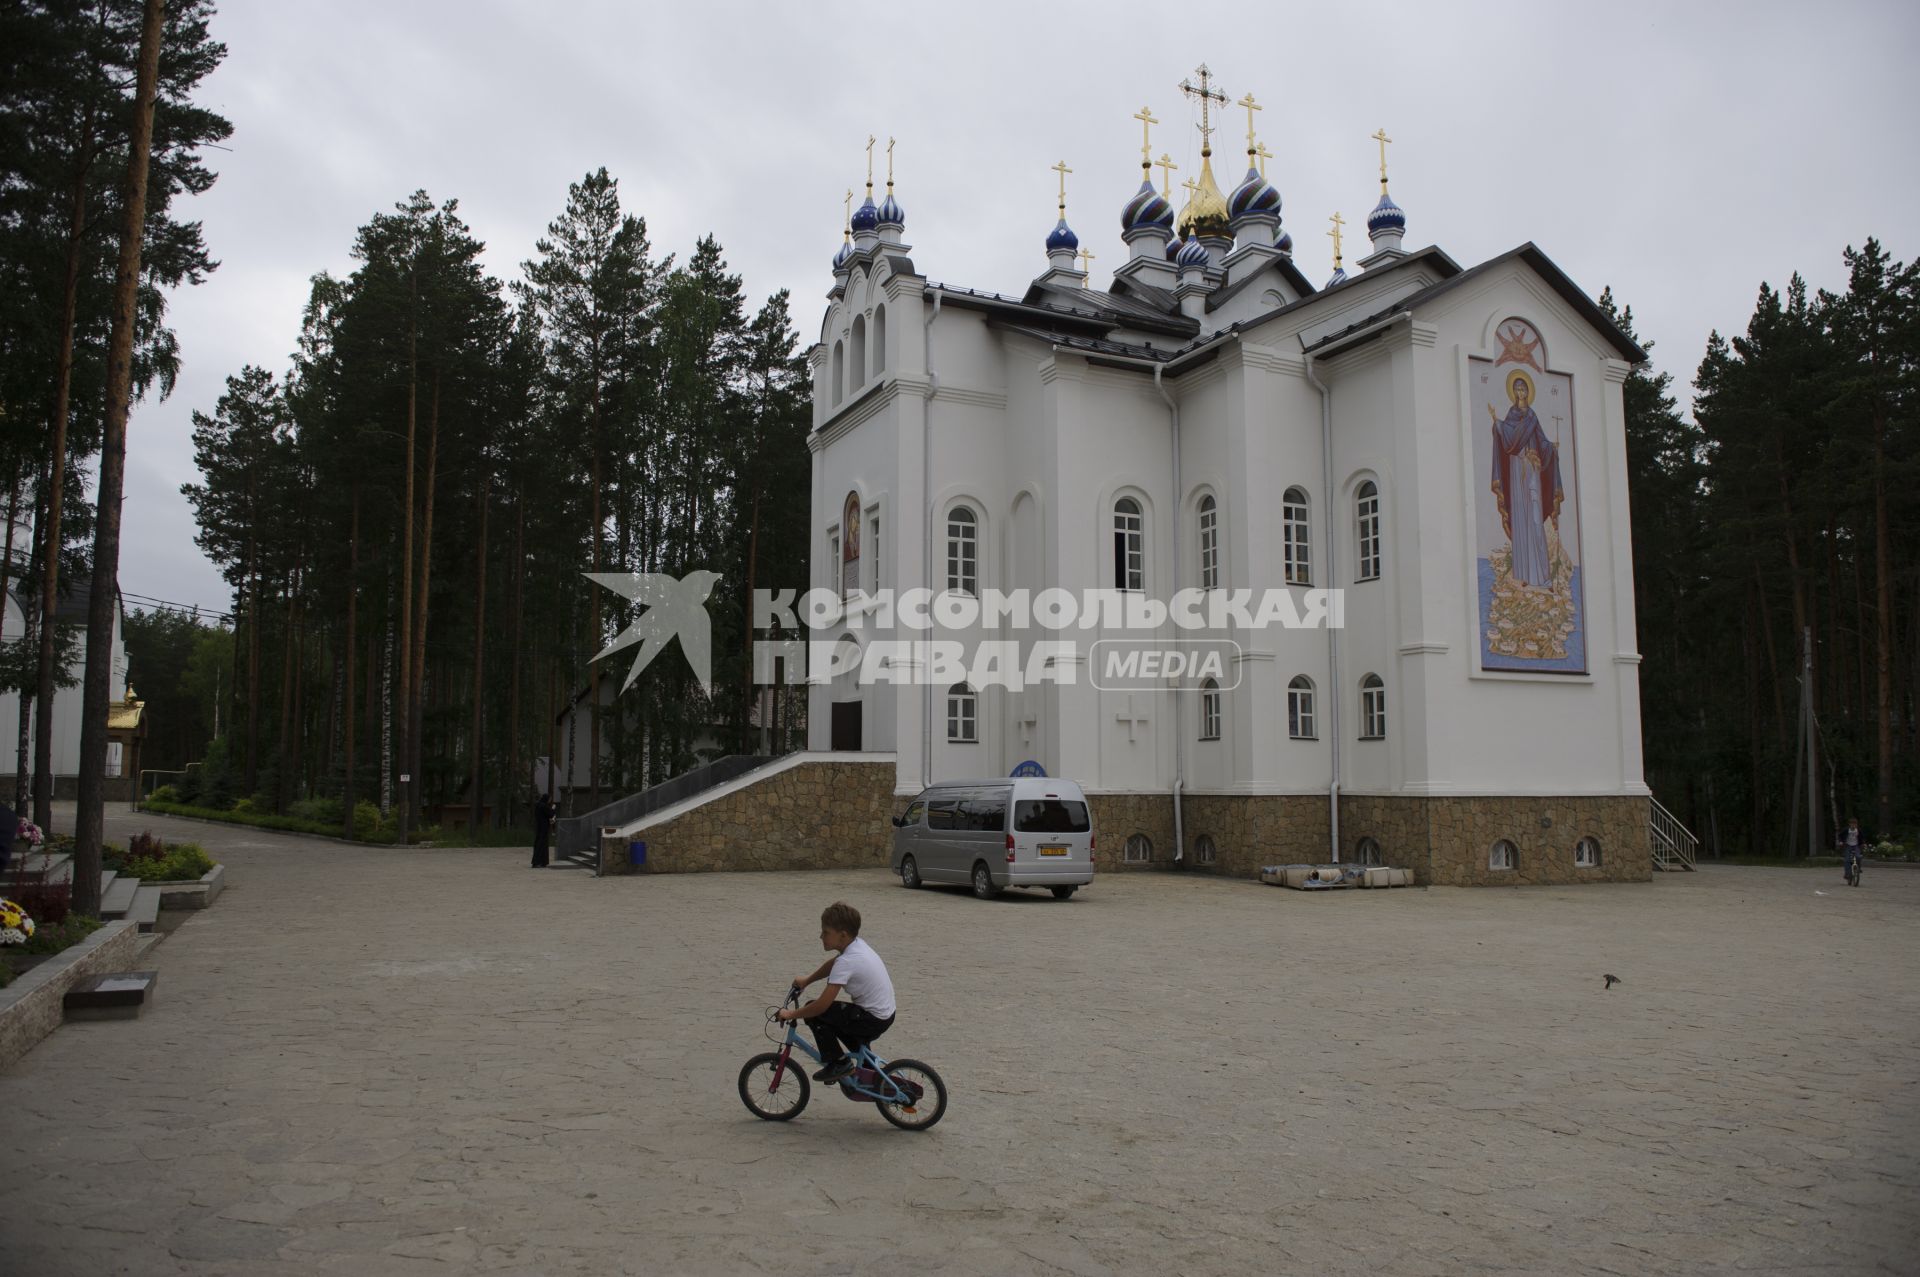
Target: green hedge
[286,824]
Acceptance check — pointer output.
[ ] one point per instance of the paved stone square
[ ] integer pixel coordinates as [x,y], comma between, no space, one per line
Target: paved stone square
[379,1061]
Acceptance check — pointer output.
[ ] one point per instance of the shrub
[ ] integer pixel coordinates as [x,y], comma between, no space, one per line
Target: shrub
[164,794]
[246,807]
[366,819]
[182,862]
[52,938]
[46,903]
[321,811]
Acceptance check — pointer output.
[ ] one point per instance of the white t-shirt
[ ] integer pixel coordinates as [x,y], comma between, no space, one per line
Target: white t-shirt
[860,972]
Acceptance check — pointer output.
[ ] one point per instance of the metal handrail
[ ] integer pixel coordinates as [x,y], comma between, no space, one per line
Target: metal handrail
[1672,841]
[578,835]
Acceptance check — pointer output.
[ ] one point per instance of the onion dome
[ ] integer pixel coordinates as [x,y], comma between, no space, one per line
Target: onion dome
[1285,242]
[1255,195]
[1339,277]
[866,217]
[891,214]
[1386,216]
[1193,256]
[840,258]
[1206,210]
[1063,240]
[1148,209]
[1174,246]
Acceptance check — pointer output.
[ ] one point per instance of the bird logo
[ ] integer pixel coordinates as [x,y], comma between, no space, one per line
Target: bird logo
[675,608]
[1611,980]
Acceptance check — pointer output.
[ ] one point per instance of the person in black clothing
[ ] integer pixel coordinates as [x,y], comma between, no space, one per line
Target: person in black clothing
[542,825]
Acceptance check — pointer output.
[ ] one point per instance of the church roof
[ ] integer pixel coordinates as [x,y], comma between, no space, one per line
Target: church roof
[1288,271]
[1539,262]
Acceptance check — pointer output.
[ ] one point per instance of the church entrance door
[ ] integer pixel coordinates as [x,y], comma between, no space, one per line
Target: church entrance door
[846,726]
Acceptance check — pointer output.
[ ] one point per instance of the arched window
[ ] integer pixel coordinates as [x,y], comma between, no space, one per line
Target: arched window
[1503,855]
[1204,852]
[1210,710]
[1139,849]
[839,373]
[1366,510]
[963,715]
[963,551]
[1209,543]
[879,340]
[1586,853]
[1300,708]
[1297,557]
[1373,708]
[1366,852]
[1129,546]
[858,342]
[850,545]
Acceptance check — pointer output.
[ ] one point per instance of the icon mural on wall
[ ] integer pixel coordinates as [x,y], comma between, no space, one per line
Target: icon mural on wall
[850,545]
[1527,508]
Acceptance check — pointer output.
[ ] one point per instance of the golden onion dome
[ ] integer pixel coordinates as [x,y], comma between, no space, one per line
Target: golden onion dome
[1206,210]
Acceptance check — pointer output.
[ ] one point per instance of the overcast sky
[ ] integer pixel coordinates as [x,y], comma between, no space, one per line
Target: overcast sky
[1681,153]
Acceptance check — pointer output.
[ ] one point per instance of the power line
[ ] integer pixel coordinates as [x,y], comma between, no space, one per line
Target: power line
[191,609]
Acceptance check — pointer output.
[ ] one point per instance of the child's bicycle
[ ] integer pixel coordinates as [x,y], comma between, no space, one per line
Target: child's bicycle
[772,1086]
[1853,861]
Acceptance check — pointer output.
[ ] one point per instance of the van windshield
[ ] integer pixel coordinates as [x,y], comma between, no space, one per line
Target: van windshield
[1050,816]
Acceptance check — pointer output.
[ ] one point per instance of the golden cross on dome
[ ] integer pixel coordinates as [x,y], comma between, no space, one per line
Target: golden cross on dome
[889,164]
[870,141]
[1145,116]
[1166,166]
[1085,255]
[1380,136]
[1191,187]
[1265,155]
[1062,169]
[849,221]
[1251,106]
[1208,95]
[1338,221]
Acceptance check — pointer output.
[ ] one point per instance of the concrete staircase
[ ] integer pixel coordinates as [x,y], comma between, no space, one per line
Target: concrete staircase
[1674,845]
[120,897]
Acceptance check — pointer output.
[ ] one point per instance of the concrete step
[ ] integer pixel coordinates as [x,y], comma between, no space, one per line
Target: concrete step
[117,899]
[32,868]
[146,906]
[145,945]
[106,880]
[118,996]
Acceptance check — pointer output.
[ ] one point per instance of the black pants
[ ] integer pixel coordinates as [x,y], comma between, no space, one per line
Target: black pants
[845,1023]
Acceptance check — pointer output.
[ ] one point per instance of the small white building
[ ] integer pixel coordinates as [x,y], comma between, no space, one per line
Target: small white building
[1444,445]
[72,610]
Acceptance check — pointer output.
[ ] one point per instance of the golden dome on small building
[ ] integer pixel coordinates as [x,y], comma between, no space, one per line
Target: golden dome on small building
[1206,211]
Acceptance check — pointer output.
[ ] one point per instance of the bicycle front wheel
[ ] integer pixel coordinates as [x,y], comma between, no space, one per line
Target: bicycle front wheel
[927,1096]
[763,1099]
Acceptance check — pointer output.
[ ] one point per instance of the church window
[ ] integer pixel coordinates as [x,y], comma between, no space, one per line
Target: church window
[879,340]
[873,543]
[1210,710]
[839,373]
[1373,708]
[1209,544]
[1129,546]
[857,353]
[1503,856]
[833,553]
[1300,708]
[963,551]
[1139,849]
[1293,531]
[1204,852]
[1366,852]
[1367,510]
[963,715]
[1586,853]
[850,546]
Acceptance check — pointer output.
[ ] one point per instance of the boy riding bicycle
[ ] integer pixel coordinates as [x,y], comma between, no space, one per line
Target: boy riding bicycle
[858,969]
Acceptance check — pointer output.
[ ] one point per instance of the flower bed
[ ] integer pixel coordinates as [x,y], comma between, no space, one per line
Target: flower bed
[382,835]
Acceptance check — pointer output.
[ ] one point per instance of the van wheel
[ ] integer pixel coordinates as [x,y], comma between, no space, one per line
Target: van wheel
[909,872]
[1064,893]
[983,881]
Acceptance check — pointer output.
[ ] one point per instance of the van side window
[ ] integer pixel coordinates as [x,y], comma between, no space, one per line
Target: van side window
[941,814]
[988,812]
[915,810]
[1050,816]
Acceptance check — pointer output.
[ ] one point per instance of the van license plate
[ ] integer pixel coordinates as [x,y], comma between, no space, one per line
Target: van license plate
[1053,849]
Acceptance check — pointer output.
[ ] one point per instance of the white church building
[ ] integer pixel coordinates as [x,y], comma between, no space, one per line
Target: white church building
[1442,445]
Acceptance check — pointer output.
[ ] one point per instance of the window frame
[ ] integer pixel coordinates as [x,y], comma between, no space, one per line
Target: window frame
[1209,519]
[1296,537]
[1366,511]
[1129,545]
[963,550]
[1301,709]
[1587,843]
[1373,708]
[1140,843]
[963,712]
[1512,856]
[1211,716]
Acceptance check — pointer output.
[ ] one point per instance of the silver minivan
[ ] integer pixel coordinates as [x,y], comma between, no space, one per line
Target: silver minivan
[995,834]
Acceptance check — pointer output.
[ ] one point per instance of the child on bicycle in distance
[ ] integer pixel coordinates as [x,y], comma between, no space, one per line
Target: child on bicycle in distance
[859,971]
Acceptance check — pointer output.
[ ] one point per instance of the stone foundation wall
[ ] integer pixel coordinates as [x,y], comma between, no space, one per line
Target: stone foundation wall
[1461,833]
[1251,831]
[34,1005]
[824,815]
[1117,817]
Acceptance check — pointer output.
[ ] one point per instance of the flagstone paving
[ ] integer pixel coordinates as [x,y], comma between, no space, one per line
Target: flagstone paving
[378,1061]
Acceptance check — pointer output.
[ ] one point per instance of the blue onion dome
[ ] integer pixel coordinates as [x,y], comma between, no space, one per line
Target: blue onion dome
[1386,216]
[866,217]
[1285,242]
[1339,277]
[840,258]
[1193,256]
[1174,246]
[1147,208]
[891,214]
[1063,240]
[1254,195]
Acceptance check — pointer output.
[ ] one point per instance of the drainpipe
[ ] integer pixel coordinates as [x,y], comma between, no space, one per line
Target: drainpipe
[1179,723]
[926,537]
[1333,575]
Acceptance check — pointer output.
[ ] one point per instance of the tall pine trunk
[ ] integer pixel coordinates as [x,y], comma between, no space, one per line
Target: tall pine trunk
[511,787]
[1883,631]
[253,661]
[406,554]
[353,598]
[417,716]
[104,605]
[477,778]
